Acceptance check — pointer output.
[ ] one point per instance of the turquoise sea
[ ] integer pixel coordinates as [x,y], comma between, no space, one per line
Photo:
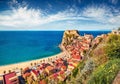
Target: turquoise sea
[19,46]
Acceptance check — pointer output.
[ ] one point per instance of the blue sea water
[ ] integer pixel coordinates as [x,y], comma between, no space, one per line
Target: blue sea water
[19,46]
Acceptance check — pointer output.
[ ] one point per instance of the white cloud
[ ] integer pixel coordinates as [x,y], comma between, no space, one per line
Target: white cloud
[24,18]
[21,17]
[102,14]
[115,19]
[94,12]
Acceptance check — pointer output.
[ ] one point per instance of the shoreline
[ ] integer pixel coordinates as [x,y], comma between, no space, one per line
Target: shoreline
[25,64]
[47,56]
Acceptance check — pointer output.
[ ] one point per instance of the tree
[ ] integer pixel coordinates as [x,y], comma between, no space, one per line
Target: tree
[4,72]
[9,71]
[113,47]
[31,64]
[113,50]
[119,28]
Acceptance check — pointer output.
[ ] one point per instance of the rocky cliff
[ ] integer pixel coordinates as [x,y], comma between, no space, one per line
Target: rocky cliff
[68,38]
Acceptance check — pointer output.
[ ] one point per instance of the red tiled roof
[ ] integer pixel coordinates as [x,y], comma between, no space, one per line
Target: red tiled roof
[25,69]
[63,67]
[27,74]
[49,67]
[42,82]
[76,56]
[35,72]
[61,72]
[71,65]
[54,76]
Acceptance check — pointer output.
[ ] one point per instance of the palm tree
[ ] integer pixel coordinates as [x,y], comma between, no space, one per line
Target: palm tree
[21,69]
[40,61]
[9,71]
[4,72]
[48,59]
[51,59]
[35,64]
[43,60]
[31,64]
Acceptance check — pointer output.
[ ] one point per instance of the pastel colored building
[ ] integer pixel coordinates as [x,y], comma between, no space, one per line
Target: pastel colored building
[10,78]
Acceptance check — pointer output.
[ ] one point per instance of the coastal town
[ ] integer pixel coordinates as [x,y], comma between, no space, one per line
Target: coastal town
[57,69]
[59,41]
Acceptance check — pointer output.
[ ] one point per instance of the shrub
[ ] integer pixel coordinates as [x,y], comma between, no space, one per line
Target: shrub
[113,38]
[87,70]
[105,74]
[118,28]
[113,50]
[75,71]
[113,46]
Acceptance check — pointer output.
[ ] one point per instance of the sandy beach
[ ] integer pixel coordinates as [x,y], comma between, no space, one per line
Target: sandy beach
[13,67]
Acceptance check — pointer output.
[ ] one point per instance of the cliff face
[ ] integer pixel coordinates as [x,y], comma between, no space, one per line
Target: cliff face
[69,36]
[72,37]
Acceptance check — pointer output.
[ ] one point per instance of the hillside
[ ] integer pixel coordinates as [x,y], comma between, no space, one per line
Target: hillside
[101,62]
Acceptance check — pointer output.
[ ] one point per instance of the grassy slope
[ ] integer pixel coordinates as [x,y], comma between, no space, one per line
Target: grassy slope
[105,73]
[105,70]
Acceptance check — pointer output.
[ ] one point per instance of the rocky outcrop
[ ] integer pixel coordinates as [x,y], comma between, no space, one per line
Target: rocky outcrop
[69,36]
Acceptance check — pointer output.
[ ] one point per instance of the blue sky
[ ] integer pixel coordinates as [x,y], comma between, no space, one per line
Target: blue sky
[59,14]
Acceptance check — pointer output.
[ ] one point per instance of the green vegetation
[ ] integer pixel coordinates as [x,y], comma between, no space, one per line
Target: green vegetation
[74,78]
[105,73]
[102,65]
[75,72]
[82,72]
[113,46]
[118,28]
